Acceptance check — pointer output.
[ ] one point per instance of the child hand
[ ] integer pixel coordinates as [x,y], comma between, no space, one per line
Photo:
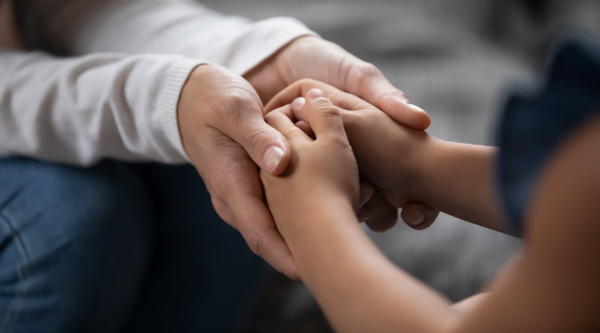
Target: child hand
[387,153]
[322,170]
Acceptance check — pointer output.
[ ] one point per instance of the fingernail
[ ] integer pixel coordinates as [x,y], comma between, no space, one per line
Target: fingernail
[298,103]
[415,218]
[414,107]
[365,195]
[315,93]
[273,156]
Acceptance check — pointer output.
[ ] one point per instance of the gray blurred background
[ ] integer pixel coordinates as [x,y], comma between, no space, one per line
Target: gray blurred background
[456,59]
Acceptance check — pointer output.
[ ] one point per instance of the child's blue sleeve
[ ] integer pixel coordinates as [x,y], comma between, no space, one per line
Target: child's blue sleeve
[531,127]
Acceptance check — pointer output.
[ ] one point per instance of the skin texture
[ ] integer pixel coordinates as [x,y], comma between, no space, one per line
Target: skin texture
[223,136]
[551,287]
[376,164]
[224,133]
[314,58]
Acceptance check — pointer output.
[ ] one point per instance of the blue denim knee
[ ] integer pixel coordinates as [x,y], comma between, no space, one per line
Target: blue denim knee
[74,246]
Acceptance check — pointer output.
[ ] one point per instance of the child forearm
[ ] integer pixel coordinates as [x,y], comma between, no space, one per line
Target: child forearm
[356,286]
[458,179]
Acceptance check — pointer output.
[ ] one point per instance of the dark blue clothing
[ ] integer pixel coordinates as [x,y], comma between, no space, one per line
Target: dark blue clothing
[533,126]
[117,248]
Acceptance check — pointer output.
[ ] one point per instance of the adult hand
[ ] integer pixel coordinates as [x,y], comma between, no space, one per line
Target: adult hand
[225,136]
[314,58]
[224,133]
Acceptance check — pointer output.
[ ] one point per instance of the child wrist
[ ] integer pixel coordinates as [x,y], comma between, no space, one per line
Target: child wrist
[421,167]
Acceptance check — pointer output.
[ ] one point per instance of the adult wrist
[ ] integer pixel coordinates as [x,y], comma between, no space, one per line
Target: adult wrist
[169,104]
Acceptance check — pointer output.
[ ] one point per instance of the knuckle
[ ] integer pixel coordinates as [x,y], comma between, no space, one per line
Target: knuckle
[396,94]
[253,240]
[324,106]
[238,99]
[239,104]
[290,273]
[361,74]
[270,117]
[338,140]
[327,110]
[256,138]
[369,70]
[222,210]
[306,82]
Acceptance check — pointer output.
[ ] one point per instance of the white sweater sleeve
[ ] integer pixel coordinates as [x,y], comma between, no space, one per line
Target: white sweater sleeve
[79,110]
[182,27]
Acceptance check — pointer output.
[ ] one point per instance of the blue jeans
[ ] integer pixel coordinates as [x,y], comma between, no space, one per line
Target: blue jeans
[118,248]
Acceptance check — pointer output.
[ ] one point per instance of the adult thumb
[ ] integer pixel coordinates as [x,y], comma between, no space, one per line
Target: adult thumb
[267,147]
[232,107]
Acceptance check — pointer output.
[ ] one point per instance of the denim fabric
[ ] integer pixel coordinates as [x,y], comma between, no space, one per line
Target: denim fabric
[117,248]
[533,126]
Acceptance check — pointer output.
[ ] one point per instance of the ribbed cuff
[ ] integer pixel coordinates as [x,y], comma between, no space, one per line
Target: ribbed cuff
[177,76]
[267,37]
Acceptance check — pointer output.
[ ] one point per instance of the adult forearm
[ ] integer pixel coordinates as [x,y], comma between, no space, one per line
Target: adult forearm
[181,27]
[458,179]
[79,110]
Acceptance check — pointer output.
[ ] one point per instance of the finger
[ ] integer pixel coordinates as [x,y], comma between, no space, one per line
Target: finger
[236,191]
[367,82]
[262,235]
[363,215]
[418,216]
[324,117]
[286,110]
[366,192]
[240,117]
[297,105]
[264,241]
[267,147]
[221,208]
[297,108]
[305,127]
[298,89]
[342,100]
[279,121]
[383,215]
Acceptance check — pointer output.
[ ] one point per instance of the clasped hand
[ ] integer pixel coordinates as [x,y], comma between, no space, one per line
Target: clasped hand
[224,134]
[333,135]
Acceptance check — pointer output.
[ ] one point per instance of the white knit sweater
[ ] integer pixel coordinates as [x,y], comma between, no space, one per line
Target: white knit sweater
[116,95]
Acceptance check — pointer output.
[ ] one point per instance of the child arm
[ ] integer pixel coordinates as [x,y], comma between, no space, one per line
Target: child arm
[411,166]
[551,288]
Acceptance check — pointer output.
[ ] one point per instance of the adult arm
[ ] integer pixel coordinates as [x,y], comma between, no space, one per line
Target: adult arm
[268,53]
[221,123]
[79,110]
[181,27]
[186,28]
